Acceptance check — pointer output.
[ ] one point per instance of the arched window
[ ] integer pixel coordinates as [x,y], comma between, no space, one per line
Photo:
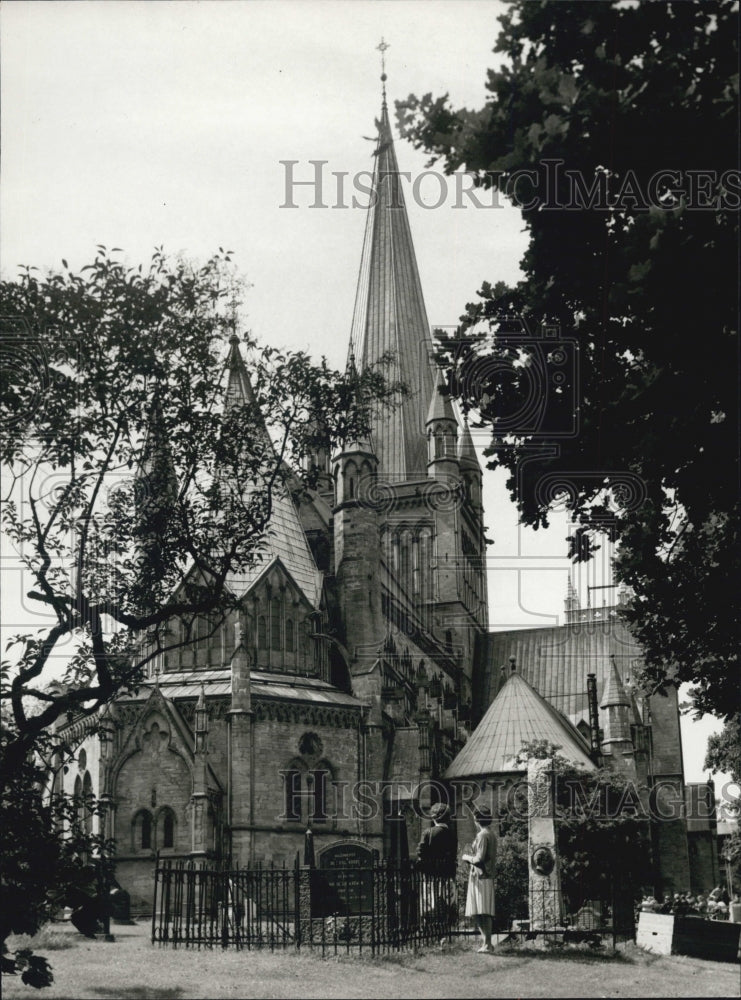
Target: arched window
[351,473]
[87,803]
[405,569]
[142,831]
[289,635]
[275,623]
[167,826]
[78,803]
[262,633]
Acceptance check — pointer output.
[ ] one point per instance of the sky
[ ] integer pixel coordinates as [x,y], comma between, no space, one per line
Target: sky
[137,125]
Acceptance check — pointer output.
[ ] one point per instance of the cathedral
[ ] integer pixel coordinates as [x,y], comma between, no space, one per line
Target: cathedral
[348,689]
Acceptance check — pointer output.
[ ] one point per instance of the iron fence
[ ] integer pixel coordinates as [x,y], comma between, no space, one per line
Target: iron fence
[381,907]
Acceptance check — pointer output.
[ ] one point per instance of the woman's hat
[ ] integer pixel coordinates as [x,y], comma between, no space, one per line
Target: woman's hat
[439,811]
[482,813]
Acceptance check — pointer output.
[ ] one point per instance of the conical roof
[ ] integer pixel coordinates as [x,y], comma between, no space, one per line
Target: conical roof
[466,450]
[517,715]
[440,406]
[390,317]
[363,443]
[614,693]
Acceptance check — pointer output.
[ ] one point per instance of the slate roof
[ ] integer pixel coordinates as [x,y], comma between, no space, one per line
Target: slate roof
[517,715]
[557,659]
[217,683]
[285,540]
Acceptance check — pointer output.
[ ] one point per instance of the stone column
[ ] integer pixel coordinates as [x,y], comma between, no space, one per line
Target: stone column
[546,902]
[240,766]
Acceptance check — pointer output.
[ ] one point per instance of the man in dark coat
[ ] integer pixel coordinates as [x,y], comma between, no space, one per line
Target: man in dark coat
[436,853]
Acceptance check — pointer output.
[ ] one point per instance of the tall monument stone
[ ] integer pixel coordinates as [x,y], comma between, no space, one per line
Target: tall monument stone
[546,901]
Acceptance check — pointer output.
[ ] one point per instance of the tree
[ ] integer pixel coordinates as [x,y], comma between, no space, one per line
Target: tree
[41,870]
[135,487]
[602,829]
[140,479]
[614,128]
[724,750]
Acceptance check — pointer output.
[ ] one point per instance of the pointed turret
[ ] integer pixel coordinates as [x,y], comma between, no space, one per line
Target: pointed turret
[156,493]
[615,705]
[238,387]
[442,434]
[355,465]
[390,317]
[571,604]
[469,466]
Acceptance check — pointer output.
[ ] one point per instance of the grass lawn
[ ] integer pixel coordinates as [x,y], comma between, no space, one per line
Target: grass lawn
[131,967]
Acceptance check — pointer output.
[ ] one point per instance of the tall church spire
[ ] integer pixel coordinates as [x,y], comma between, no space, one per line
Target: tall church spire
[390,315]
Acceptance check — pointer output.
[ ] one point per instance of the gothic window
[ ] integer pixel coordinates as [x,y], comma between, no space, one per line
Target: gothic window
[404,559]
[262,633]
[351,472]
[166,829]
[289,635]
[87,803]
[142,831]
[415,566]
[275,623]
[77,801]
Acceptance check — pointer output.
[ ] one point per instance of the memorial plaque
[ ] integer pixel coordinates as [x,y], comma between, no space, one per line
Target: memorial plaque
[343,883]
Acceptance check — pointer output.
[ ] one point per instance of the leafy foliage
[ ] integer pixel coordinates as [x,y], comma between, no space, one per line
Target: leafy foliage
[724,749]
[601,825]
[136,485]
[732,855]
[40,868]
[642,275]
[512,878]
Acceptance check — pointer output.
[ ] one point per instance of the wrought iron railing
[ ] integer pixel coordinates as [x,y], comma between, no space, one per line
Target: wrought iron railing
[382,907]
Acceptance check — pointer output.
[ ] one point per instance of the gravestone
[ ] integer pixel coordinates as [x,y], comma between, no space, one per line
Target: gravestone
[343,882]
[546,902]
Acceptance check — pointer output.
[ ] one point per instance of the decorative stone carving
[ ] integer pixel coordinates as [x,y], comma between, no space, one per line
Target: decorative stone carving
[546,901]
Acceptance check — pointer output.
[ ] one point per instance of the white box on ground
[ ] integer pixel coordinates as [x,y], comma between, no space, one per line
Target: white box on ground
[655,932]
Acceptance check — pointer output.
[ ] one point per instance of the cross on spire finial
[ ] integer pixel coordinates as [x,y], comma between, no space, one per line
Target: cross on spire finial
[233,305]
[382,49]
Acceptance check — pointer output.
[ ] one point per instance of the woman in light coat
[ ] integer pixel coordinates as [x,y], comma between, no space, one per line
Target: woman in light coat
[480,897]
